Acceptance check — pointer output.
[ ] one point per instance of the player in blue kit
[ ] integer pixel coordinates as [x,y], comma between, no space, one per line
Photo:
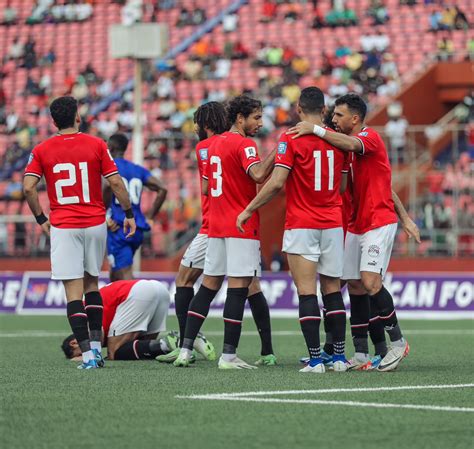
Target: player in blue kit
[120,250]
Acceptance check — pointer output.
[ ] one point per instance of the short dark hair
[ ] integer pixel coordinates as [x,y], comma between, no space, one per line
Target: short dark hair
[241,105]
[66,346]
[212,115]
[63,111]
[327,119]
[355,103]
[118,142]
[311,100]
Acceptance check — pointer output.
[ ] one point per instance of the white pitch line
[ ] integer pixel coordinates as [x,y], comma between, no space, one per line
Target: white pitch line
[328,390]
[345,403]
[433,332]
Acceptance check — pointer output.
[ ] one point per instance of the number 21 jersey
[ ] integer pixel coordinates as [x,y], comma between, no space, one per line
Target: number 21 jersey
[72,165]
[231,188]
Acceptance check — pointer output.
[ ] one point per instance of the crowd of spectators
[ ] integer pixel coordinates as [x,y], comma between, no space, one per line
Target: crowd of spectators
[54,11]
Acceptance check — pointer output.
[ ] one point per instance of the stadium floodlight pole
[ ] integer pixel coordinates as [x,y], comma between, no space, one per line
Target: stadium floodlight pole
[137,148]
[138,41]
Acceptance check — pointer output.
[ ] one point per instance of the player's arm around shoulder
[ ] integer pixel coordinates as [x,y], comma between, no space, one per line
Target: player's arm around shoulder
[259,170]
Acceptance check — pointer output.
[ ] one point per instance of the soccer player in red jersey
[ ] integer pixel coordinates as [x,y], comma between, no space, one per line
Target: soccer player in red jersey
[313,238]
[73,164]
[229,178]
[135,312]
[371,230]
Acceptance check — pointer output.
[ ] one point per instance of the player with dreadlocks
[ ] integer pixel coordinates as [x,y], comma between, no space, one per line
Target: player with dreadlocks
[210,120]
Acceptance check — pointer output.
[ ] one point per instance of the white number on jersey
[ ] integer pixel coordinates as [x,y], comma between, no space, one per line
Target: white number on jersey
[317,169]
[217,175]
[134,188]
[70,181]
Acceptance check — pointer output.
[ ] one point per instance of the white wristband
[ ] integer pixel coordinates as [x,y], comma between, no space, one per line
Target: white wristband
[319,131]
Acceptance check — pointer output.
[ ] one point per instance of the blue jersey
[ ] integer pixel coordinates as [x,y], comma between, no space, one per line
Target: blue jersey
[134,177]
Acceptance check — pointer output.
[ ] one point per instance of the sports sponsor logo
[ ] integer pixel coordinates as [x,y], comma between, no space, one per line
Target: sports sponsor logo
[374,251]
[372,263]
[203,154]
[363,134]
[282,147]
[250,152]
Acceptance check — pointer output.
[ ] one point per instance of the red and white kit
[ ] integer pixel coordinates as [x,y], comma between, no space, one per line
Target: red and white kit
[313,226]
[373,223]
[231,188]
[73,166]
[134,306]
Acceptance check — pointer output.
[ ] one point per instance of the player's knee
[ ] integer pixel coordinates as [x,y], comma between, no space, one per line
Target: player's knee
[187,277]
[356,287]
[329,285]
[372,282]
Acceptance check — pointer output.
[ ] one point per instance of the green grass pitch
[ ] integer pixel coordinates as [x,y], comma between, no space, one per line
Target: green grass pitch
[47,403]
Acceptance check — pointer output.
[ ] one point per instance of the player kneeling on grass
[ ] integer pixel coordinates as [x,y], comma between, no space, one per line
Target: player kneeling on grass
[134,313]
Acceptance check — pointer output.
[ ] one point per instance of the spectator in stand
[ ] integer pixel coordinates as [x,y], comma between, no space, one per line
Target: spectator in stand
[230,22]
[448,17]
[293,12]
[10,15]
[132,12]
[327,64]
[460,20]
[318,20]
[40,12]
[184,18]
[396,131]
[198,16]
[378,11]
[239,51]
[31,87]
[269,11]
[275,55]
[29,60]
[445,48]
[16,51]
[48,59]
[435,20]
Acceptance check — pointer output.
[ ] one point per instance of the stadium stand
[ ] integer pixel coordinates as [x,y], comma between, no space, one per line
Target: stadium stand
[260,48]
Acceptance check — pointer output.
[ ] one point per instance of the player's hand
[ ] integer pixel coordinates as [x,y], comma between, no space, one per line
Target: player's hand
[112,225]
[411,229]
[242,219]
[129,227]
[46,228]
[301,129]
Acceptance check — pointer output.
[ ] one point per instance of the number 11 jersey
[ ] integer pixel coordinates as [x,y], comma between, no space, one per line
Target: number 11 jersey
[231,189]
[73,166]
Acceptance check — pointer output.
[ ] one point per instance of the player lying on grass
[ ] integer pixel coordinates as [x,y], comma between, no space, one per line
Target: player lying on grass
[120,250]
[312,171]
[210,121]
[135,312]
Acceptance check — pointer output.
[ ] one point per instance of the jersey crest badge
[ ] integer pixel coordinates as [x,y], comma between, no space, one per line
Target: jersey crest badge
[250,152]
[203,154]
[282,147]
[364,134]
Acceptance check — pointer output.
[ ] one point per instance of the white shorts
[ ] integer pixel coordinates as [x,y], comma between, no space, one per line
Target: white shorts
[74,251]
[233,257]
[368,252]
[322,246]
[195,255]
[144,310]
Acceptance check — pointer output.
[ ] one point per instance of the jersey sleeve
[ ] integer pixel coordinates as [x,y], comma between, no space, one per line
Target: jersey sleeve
[107,164]
[202,159]
[33,167]
[205,169]
[369,140]
[284,156]
[248,155]
[145,175]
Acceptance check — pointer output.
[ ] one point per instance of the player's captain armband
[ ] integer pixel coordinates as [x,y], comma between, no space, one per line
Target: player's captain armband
[250,152]
[282,147]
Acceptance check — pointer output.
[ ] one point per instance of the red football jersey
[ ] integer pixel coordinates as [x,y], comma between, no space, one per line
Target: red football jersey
[372,185]
[313,200]
[113,295]
[230,186]
[73,166]
[347,208]
[202,150]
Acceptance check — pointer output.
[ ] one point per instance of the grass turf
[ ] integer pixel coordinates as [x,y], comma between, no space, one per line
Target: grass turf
[47,403]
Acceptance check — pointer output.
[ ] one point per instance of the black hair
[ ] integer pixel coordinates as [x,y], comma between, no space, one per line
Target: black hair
[63,111]
[66,346]
[211,115]
[118,143]
[327,119]
[355,103]
[311,100]
[241,105]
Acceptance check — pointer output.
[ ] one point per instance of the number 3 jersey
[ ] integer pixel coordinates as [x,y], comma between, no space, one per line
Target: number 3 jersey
[231,188]
[72,165]
[313,200]
[134,177]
